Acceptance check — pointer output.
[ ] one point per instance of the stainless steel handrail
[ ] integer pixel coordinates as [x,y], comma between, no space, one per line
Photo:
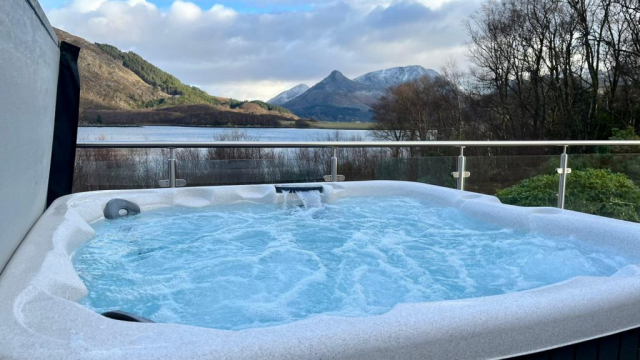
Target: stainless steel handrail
[346,144]
[460,175]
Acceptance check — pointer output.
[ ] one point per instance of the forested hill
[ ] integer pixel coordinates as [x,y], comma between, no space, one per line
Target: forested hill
[159,79]
[169,84]
[118,87]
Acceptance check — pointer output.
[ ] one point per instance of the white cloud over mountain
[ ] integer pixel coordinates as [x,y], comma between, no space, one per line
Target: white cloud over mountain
[249,55]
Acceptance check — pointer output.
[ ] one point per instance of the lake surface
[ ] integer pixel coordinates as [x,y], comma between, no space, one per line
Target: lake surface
[179,133]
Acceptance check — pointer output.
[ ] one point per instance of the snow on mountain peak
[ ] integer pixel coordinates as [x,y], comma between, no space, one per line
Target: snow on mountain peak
[289,95]
[395,76]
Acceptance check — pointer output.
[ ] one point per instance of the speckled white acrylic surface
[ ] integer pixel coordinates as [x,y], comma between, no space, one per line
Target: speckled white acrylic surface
[39,318]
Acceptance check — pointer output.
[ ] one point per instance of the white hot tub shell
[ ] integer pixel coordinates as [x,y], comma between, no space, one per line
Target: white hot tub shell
[40,318]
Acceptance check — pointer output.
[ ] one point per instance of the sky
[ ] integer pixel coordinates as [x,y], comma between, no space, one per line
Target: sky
[255,49]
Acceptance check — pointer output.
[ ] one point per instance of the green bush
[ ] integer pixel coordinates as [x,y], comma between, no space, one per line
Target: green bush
[592,191]
[628,164]
[303,124]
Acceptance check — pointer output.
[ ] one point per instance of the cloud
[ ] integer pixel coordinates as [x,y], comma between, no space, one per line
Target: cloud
[83,6]
[246,90]
[184,12]
[239,54]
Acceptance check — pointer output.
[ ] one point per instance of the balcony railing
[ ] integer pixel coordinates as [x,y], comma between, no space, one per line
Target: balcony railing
[460,175]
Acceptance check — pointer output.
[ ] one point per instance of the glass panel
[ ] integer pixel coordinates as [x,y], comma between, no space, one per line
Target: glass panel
[628,164]
[434,170]
[600,184]
[245,171]
[101,169]
[490,174]
[107,169]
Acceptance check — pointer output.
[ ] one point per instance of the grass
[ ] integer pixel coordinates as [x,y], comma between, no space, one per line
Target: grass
[342,125]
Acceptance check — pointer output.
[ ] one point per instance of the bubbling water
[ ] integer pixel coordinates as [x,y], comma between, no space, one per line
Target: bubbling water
[249,265]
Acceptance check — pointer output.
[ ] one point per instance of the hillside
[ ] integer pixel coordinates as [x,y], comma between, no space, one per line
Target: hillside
[165,82]
[105,83]
[337,98]
[122,88]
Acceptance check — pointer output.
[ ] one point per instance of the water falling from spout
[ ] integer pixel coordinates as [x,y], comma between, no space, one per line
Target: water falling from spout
[310,199]
[306,200]
[286,195]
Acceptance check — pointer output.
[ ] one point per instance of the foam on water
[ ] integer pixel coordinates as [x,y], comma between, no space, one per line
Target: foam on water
[251,265]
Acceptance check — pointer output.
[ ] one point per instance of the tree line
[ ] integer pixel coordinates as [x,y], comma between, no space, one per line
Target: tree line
[234,104]
[541,69]
[186,115]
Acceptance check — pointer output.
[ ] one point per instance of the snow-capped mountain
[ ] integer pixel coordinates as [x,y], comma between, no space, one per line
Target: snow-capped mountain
[395,76]
[289,95]
[337,98]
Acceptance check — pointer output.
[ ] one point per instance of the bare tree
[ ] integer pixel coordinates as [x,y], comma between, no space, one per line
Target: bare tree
[424,109]
[553,68]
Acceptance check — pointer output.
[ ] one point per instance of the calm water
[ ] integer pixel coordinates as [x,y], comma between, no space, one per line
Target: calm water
[178,133]
[250,265]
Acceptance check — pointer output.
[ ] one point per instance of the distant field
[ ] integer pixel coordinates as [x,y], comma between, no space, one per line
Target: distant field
[342,125]
[332,125]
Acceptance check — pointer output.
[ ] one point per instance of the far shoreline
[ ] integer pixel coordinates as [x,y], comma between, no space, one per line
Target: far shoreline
[344,126]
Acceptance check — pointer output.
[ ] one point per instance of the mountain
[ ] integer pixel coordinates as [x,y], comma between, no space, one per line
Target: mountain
[123,88]
[289,95]
[395,76]
[336,98]
[178,92]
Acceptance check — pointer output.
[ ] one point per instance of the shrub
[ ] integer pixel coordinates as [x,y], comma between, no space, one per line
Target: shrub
[592,191]
[303,124]
[234,104]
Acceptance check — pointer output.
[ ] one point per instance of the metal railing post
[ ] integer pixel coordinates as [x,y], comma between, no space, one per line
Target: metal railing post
[334,165]
[462,164]
[563,171]
[172,168]
[173,181]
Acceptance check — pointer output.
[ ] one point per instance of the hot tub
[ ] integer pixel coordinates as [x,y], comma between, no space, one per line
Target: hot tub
[578,279]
